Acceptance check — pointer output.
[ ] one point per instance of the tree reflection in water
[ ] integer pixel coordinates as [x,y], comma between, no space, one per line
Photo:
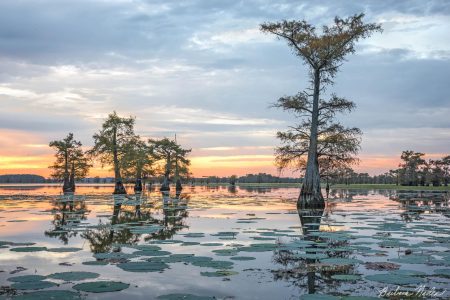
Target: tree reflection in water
[131,212]
[68,211]
[416,203]
[308,273]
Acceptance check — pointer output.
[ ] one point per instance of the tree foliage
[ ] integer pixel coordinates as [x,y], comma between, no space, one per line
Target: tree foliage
[70,159]
[137,161]
[111,144]
[171,156]
[323,52]
[337,145]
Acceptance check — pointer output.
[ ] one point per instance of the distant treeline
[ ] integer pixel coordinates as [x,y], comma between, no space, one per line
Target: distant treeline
[414,170]
[21,178]
[249,178]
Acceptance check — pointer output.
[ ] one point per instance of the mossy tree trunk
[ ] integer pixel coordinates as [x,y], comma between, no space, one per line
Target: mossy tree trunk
[119,188]
[310,193]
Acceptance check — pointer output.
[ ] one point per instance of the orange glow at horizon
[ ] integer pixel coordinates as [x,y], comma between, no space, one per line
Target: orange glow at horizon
[200,165]
[27,153]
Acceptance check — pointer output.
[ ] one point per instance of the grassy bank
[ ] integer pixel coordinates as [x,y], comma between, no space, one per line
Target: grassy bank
[341,186]
[355,186]
[391,187]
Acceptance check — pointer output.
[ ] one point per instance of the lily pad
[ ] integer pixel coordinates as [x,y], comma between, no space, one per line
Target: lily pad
[28,249]
[147,247]
[33,285]
[211,244]
[101,286]
[64,249]
[439,272]
[153,266]
[73,276]
[27,278]
[114,255]
[49,295]
[258,247]
[194,235]
[340,261]
[346,277]
[412,259]
[216,264]
[242,258]
[226,252]
[184,297]
[395,279]
[151,253]
[95,263]
[219,273]
[190,244]
[318,297]
[408,272]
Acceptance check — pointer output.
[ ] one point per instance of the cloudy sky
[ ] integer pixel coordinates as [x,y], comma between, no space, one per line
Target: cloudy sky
[201,69]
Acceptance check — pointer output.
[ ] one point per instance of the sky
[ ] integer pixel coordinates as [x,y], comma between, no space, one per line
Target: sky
[204,71]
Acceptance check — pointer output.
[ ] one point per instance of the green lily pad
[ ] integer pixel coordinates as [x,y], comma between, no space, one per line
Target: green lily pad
[412,259]
[33,285]
[219,273]
[184,297]
[225,233]
[242,258]
[340,261]
[225,252]
[73,276]
[318,297]
[194,235]
[114,255]
[216,264]
[211,244]
[147,247]
[101,286]
[28,249]
[153,266]
[192,259]
[190,244]
[163,242]
[311,256]
[95,263]
[49,295]
[174,258]
[64,249]
[439,272]
[258,247]
[262,238]
[395,279]
[408,272]
[359,298]
[346,277]
[151,253]
[27,278]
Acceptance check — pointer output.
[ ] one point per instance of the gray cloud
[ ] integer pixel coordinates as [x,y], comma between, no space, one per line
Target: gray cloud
[202,68]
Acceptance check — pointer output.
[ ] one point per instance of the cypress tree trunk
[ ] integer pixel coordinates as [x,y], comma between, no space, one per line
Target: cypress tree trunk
[165,186]
[310,193]
[72,179]
[138,183]
[119,188]
[66,183]
[178,186]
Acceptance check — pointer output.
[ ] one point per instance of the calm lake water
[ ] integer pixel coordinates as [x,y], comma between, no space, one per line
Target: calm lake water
[227,243]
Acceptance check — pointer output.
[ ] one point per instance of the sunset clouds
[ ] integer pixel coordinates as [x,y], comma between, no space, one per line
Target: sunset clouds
[203,70]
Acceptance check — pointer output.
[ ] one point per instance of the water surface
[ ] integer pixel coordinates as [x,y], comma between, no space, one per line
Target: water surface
[287,253]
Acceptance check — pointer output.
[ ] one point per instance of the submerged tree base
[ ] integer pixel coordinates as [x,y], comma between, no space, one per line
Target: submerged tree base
[165,186]
[178,187]
[119,189]
[310,201]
